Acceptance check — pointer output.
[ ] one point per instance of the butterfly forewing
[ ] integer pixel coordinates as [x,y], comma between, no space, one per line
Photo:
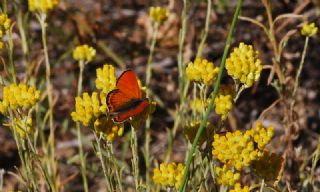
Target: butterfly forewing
[128,84]
[116,100]
[122,116]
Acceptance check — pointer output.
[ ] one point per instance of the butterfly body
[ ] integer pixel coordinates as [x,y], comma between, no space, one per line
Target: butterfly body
[126,101]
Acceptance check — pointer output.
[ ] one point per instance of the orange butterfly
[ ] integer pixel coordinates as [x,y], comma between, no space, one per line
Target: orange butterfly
[126,101]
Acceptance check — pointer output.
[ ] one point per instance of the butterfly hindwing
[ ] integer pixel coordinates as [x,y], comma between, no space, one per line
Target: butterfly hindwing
[128,84]
[122,116]
[116,100]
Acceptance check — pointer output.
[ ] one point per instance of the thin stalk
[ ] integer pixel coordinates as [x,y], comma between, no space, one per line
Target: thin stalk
[304,52]
[108,183]
[11,53]
[205,30]
[51,142]
[148,121]
[215,91]
[79,135]
[135,157]
[4,6]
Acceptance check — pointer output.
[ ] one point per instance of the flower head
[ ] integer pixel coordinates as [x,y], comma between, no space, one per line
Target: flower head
[169,175]
[244,65]
[226,176]
[108,128]
[261,135]
[88,108]
[222,105]
[158,14]
[18,96]
[84,53]
[309,29]
[201,70]
[238,188]
[5,23]
[106,78]
[42,5]
[197,105]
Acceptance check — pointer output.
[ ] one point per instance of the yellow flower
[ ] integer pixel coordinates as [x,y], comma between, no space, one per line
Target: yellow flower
[18,96]
[191,130]
[88,108]
[244,65]
[5,22]
[234,149]
[222,105]
[238,188]
[226,176]
[261,135]
[309,29]
[42,5]
[158,14]
[22,126]
[106,78]
[168,175]
[201,70]
[109,129]
[197,104]
[84,53]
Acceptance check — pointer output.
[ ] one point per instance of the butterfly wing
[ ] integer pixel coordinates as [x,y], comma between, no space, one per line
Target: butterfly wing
[116,100]
[131,112]
[128,84]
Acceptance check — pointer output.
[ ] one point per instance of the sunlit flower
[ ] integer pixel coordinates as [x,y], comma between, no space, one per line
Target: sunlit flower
[309,29]
[158,14]
[235,149]
[88,108]
[201,70]
[238,188]
[222,105]
[42,5]
[244,65]
[226,176]
[169,175]
[5,23]
[198,105]
[238,149]
[108,128]
[18,96]
[84,53]
[106,78]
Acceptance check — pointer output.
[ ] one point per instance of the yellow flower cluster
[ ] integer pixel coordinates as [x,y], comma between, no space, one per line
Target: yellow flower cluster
[88,108]
[18,96]
[106,78]
[261,135]
[169,175]
[309,29]
[238,188]
[226,176]
[42,5]
[201,70]
[109,129]
[222,105]
[158,14]
[84,53]
[244,65]
[235,149]
[5,23]
[23,126]
[238,149]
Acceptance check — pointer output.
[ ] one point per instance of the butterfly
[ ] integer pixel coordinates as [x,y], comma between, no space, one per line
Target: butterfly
[126,100]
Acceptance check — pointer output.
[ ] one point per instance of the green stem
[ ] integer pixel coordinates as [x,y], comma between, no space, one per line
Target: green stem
[306,42]
[148,122]
[205,30]
[135,157]
[79,135]
[53,171]
[215,91]
[10,43]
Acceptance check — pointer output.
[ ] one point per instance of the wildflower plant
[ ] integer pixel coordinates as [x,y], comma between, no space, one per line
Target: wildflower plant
[168,175]
[309,29]
[5,23]
[158,14]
